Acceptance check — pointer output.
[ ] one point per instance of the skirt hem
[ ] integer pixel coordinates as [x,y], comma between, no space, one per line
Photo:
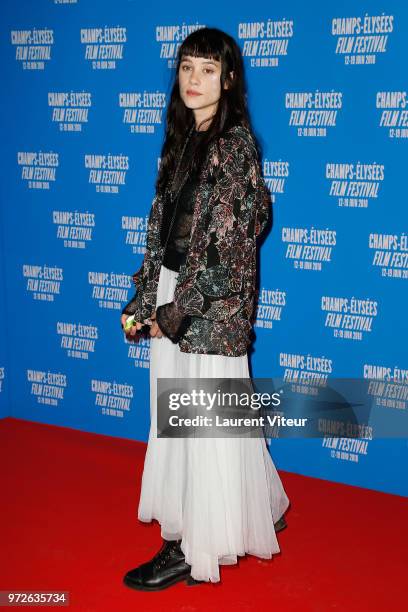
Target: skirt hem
[230,558]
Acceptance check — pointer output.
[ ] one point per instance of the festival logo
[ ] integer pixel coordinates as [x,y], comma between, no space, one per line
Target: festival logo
[109,289]
[135,229]
[107,172]
[74,228]
[271,303]
[348,449]
[353,185]
[44,282]
[114,399]
[275,174]
[390,254]
[388,385]
[38,168]
[142,110]
[265,42]
[305,370]
[77,339]
[170,38]
[360,39]
[394,115]
[139,351]
[48,387]
[349,318]
[104,47]
[33,47]
[313,112]
[308,248]
[70,109]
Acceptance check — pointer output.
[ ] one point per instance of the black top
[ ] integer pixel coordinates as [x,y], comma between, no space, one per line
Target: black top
[178,242]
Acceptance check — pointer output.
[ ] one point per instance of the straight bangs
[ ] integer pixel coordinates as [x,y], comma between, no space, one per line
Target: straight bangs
[200,44]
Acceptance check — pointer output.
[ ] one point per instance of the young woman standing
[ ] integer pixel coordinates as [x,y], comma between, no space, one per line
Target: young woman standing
[215,498]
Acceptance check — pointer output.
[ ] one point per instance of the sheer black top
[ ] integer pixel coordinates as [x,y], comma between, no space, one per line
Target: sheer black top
[177,245]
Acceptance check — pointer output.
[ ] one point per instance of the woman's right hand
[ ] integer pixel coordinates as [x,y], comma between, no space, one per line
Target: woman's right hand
[132,331]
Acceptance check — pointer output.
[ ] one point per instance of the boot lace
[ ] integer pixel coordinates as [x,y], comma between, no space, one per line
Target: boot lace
[164,553]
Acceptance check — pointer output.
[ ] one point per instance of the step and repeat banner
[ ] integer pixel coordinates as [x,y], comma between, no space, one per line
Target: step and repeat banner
[85,88]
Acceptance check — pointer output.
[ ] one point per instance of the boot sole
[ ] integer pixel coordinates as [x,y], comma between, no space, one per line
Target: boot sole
[192,581]
[142,587]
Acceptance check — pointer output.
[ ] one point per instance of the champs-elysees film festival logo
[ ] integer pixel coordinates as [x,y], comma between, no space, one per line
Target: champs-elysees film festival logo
[272,407]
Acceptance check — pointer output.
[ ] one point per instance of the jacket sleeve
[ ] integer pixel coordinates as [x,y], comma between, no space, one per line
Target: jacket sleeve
[212,283]
[135,306]
[265,211]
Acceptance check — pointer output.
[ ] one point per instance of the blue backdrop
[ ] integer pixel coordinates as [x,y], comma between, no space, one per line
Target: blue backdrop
[85,86]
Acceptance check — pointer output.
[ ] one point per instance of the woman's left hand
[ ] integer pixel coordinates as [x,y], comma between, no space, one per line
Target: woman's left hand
[155,330]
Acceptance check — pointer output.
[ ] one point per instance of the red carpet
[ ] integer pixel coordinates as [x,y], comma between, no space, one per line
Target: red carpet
[69,523]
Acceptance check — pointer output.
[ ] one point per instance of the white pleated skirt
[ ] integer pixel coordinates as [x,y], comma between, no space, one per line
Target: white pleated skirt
[220,496]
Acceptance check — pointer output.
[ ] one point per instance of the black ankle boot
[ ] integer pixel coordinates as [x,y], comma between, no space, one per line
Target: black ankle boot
[281,524]
[167,567]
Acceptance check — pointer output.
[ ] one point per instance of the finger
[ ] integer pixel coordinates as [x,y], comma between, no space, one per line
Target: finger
[154,330]
[135,328]
[159,331]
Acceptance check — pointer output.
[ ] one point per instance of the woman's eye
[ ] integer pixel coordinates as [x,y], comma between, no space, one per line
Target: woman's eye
[205,69]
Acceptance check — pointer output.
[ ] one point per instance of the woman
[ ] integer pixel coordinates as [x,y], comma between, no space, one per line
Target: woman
[215,498]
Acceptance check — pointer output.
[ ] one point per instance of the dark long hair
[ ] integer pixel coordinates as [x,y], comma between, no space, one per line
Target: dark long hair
[232,109]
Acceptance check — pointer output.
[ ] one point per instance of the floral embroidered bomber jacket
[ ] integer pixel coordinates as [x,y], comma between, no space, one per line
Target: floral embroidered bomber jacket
[212,307]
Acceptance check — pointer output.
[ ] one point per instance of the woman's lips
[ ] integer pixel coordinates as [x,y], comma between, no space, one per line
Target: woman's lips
[189,92]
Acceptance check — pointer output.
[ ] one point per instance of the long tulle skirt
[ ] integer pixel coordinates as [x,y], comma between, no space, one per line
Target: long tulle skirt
[220,496]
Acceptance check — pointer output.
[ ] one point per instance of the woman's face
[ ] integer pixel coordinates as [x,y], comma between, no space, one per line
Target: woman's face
[200,84]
